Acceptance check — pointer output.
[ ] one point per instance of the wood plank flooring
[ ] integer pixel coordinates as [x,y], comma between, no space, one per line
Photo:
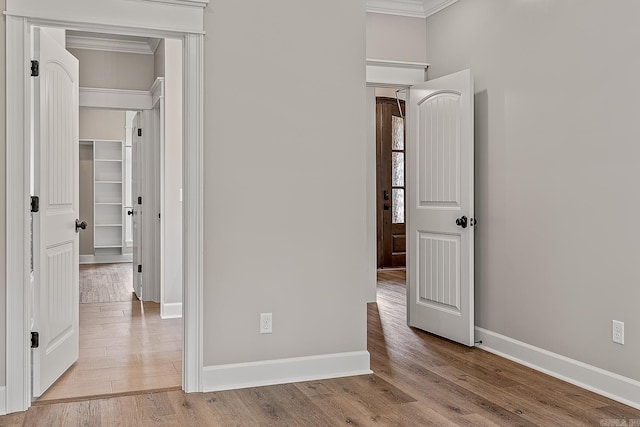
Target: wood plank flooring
[106,282]
[124,347]
[419,380]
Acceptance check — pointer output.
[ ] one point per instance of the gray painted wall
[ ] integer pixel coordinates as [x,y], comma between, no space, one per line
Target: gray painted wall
[396,38]
[159,60]
[284,179]
[557,105]
[115,70]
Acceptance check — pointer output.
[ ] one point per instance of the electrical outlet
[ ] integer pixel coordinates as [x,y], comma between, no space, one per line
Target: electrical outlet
[618,332]
[266,323]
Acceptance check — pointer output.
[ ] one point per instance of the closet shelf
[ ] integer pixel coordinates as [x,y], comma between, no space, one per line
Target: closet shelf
[108,179]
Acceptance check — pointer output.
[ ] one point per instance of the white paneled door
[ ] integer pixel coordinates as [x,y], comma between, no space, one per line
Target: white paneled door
[440,207]
[55,314]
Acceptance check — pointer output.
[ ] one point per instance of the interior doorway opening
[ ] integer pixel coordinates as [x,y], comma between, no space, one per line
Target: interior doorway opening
[158,20]
[381,185]
[390,178]
[128,343]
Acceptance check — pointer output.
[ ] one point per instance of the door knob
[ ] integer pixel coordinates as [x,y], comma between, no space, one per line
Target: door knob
[130,212]
[387,207]
[462,222]
[80,225]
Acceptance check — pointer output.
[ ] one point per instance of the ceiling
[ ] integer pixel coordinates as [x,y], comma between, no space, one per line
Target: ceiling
[415,8]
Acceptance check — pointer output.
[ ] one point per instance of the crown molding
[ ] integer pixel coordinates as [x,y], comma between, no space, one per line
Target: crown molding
[432,7]
[110,45]
[410,8]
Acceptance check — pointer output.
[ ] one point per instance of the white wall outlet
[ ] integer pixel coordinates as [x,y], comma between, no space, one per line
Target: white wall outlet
[618,332]
[266,323]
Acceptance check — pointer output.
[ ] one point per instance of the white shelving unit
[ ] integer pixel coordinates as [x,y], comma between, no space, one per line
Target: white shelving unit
[108,191]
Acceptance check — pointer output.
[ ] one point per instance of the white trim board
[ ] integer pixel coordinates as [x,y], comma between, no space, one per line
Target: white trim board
[105,259]
[171,310]
[166,18]
[605,383]
[118,99]
[395,73]
[3,400]
[110,44]
[284,371]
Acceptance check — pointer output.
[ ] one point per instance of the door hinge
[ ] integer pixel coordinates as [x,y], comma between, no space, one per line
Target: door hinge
[35,68]
[35,204]
[139,268]
[158,216]
[139,200]
[35,340]
[139,132]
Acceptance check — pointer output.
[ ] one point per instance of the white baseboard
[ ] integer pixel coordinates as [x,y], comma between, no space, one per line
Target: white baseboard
[105,259]
[605,383]
[3,400]
[171,310]
[282,371]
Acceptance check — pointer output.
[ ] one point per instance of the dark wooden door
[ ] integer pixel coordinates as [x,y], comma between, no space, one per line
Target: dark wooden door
[390,138]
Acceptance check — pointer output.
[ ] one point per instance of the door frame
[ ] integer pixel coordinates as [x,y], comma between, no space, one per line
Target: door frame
[381,74]
[385,235]
[160,19]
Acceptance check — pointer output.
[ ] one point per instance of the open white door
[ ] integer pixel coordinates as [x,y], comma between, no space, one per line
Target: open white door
[56,292]
[136,185]
[440,207]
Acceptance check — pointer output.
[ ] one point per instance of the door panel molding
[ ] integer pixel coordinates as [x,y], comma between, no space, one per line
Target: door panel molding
[22,16]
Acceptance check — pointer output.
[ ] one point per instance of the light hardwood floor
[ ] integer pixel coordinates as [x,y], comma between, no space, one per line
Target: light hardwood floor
[106,282]
[419,380]
[124,346]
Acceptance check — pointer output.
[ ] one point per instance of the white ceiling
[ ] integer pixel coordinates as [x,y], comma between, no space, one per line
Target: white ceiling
[415,8]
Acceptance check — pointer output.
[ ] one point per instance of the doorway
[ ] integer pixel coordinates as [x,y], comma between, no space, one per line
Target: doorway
[390,182]
[127,343]
[21,18]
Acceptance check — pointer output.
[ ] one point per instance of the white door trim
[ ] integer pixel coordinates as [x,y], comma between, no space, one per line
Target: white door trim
[118,99]
[18,36]
[382,73]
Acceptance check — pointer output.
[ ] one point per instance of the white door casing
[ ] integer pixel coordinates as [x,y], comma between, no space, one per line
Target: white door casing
[440,266]
[136,185]
[165,18]
[56,240]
